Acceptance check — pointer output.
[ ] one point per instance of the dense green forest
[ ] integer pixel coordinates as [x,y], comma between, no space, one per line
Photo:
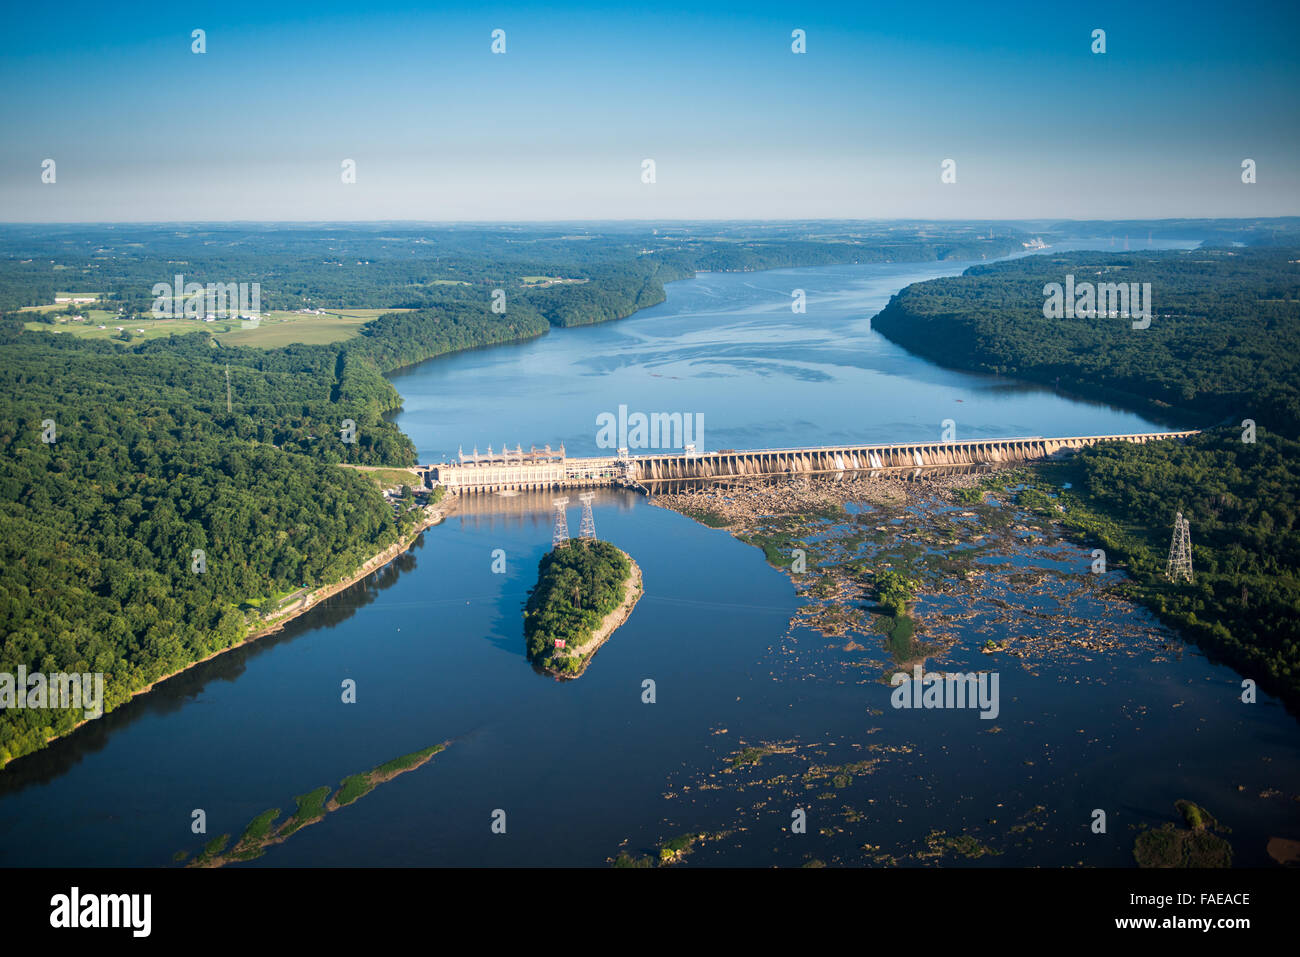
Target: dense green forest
[1224,337]
[1243,503]
[98,527]
[577,586]
[1223,347]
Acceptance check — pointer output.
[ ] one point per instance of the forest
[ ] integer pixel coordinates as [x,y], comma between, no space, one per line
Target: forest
[1222,353]
[1242,501]
[577,586]
[144,465]
[1223,340]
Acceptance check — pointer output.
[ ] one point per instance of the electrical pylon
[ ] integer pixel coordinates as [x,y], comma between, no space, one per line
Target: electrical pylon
[1180,551]
[588,527]
[561,534]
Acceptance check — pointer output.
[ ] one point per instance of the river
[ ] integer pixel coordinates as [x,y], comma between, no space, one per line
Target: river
[434,641]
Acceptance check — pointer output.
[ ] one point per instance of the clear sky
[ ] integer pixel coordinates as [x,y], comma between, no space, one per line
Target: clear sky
[141,129]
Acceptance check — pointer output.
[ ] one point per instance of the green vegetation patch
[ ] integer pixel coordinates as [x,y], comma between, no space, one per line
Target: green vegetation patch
[259,827]
[626,860]
[1196,845]
[578,584]
[778,548]
[938,843]
[408,760]
[750,755]
[352,787]
[311,807]
[678,847]
[706,517]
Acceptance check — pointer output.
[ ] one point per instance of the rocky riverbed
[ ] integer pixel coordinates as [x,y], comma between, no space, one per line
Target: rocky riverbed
[998,589]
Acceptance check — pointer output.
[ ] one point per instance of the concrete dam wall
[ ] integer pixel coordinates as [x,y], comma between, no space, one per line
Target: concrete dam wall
[502,474]
[830,459]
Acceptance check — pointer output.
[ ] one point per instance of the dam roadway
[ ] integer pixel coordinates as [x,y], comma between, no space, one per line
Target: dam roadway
[536,469]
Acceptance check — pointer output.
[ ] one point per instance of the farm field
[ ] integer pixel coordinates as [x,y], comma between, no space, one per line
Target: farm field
[277,328]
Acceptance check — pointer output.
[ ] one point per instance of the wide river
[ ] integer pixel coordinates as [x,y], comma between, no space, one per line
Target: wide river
[434,641]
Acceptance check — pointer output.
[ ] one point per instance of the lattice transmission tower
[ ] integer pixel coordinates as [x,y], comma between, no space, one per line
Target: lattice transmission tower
[588,527]
[561,534]
[1180,551]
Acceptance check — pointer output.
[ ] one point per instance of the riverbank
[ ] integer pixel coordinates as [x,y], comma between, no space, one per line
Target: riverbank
[434,515]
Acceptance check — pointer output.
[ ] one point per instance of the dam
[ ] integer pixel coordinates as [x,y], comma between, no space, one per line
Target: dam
[543,469]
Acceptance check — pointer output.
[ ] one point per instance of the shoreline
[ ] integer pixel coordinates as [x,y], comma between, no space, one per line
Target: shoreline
[694,274]
[633,589]
[299,608]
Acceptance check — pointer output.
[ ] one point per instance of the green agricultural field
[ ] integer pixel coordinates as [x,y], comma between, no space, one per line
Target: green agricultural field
[52,307]
[388,478]
[153,328]
[282,328]
[277,328]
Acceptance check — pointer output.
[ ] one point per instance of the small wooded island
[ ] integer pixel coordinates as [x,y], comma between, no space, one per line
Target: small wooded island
[585,589]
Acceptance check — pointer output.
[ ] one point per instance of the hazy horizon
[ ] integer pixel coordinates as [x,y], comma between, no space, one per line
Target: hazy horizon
[556,129]
[682,221]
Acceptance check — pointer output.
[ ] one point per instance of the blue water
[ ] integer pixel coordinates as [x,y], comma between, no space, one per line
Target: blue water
[728,347]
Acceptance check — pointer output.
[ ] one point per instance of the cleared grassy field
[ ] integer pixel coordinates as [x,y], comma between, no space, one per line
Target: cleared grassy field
[277,328]
[59,307]
[284,328]
[388,478]
[153,328]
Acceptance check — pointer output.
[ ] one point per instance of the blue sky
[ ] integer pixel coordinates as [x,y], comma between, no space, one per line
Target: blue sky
[739,127]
